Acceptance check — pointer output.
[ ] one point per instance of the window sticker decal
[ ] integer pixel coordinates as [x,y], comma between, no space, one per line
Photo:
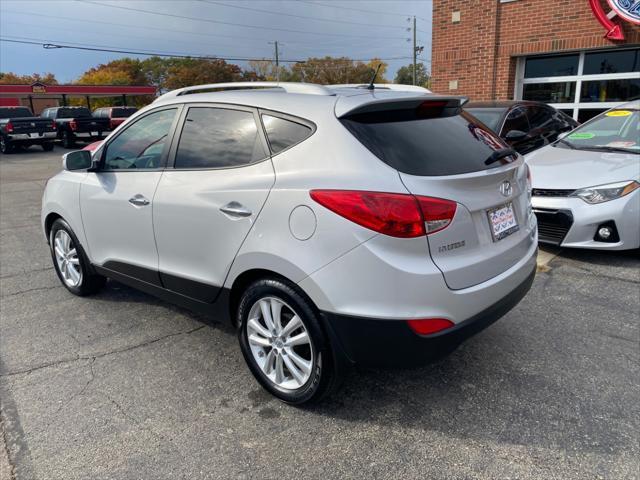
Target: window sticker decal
[582,135]
[618,113]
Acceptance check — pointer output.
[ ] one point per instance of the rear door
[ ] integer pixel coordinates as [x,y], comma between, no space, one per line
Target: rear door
[205,206]
[445,153]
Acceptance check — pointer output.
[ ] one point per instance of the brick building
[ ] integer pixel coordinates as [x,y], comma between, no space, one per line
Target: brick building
[556,51]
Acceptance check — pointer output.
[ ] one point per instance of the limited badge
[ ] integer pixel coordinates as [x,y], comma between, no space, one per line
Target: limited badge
[618,113]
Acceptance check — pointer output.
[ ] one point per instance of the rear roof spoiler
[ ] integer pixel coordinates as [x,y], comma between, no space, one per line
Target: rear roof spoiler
[357,104]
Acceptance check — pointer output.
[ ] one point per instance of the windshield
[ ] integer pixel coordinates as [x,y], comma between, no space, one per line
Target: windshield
[616,129]
[15,112]
[489,116]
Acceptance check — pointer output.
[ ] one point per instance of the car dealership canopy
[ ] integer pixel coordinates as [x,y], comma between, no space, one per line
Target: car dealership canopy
[38,95]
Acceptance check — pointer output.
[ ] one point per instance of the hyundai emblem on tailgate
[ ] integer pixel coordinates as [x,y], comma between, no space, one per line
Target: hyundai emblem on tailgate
[505,188]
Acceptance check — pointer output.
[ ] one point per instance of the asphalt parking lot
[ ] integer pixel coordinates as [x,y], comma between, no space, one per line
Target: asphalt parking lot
[122,385]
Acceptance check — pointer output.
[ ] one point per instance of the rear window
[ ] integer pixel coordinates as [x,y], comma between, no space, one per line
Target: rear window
[448,142]
[73,112]
[283,133]
[15,112]
[122,112]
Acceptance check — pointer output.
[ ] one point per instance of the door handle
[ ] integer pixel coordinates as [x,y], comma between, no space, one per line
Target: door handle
[139,201]
[235,209]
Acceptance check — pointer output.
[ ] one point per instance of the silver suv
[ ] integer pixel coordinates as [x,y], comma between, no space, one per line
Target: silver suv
[332,225]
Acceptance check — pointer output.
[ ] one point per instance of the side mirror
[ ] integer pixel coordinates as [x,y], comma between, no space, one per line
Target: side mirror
[515,135]
[78,160]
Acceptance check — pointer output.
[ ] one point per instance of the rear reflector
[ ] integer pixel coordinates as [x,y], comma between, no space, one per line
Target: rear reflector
[427,326]
[394,214]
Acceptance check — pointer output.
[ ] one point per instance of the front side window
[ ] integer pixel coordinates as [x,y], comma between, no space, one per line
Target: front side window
[142,144]
[283,133]
[218,138]
[540,117]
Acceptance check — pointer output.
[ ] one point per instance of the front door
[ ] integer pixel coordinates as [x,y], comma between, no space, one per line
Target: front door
[205,206]
[117,201]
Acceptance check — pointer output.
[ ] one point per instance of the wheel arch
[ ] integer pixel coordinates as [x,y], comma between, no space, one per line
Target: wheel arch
[48,223]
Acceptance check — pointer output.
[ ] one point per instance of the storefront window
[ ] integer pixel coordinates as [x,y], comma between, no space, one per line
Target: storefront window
[610,90]
[561,92]
[551,66]
[588,113]
[612,62]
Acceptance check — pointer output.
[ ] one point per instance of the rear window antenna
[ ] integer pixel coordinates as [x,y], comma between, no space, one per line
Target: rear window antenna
[371,85]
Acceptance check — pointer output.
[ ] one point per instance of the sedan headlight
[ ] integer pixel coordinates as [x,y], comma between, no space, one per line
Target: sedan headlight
[604,193]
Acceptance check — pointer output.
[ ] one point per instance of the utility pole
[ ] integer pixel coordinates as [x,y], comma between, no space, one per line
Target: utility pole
[415,50]
[277,63]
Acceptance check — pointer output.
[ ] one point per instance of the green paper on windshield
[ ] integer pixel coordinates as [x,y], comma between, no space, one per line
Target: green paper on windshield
[582,135]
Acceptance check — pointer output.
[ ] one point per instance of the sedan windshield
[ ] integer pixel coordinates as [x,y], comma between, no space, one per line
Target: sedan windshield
[613,130]
[489,116]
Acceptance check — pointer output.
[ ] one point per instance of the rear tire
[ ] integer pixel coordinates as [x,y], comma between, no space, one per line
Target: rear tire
[5,145]
[298,376]
[68,139]
[71,263]
[47,147]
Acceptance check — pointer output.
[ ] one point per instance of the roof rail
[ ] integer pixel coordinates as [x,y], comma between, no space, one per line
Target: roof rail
[289,87]
[396,87]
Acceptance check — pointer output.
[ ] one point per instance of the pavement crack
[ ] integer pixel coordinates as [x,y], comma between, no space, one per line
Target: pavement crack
[29,290]
[100,355]
[5,447]
[12,275]
[137,422]
[75,395]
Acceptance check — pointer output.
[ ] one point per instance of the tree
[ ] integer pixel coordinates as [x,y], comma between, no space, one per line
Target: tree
[373,64]
[10,78]
[124,71]
[331,70]
[184,72]
[405,75]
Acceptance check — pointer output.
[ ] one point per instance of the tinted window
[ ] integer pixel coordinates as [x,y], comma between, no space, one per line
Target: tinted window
[561,92]
[540,117]
[612,62]
[551,66]
[142,144]
[491,117]
[218,138]
[15,112]
[516,120]
[73,112]
[284,133]
[122,112]
[446,144]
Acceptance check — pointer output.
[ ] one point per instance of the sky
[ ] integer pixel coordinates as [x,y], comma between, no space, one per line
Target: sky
[227,28]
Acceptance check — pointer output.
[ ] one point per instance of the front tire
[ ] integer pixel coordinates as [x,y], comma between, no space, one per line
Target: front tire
[283,343]
[71,263]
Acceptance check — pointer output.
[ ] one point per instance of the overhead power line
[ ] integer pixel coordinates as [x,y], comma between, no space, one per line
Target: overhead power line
[281,14]
[220,22]
[52,44]
[361,10]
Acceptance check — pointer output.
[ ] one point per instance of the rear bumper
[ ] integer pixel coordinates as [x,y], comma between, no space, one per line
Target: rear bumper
[375,342]
[27,138]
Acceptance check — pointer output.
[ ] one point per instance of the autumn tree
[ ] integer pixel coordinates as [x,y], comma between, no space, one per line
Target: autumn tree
[405,75]
[332,70]
[10,78]
[184,72]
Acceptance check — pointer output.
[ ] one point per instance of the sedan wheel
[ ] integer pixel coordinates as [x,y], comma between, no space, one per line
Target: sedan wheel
[67,258]
[280,343]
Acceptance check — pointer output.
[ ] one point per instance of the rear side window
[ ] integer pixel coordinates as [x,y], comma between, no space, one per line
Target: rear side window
[218,138]
[283,133]
[516,120]
[448,142]
[15,112]
[73,112]
[540,117]
[122,112]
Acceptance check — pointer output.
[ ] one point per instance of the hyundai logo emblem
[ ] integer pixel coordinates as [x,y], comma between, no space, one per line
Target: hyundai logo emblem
[506,189]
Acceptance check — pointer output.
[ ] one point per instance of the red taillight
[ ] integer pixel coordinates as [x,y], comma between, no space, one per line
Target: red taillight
[394,214]
[73,125]
[9,127]
[53,125]
[437,212]
[112,124]
[427,326]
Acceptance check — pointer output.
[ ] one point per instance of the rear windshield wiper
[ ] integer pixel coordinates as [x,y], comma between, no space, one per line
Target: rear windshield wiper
[499,155]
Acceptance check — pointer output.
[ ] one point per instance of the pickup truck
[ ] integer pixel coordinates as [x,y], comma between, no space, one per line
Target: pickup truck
[19,128]
[116,115]
[76,123]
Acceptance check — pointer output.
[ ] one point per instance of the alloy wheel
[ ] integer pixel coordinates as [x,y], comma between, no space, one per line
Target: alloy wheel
[67,258]
[280,343]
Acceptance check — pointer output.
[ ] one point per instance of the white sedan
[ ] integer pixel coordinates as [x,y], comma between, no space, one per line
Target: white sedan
[585,187]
